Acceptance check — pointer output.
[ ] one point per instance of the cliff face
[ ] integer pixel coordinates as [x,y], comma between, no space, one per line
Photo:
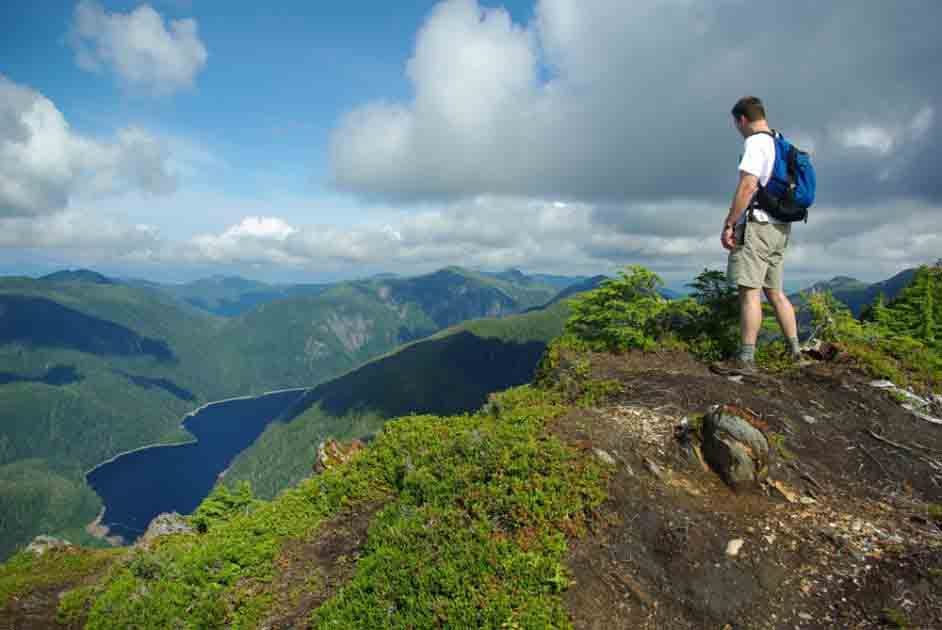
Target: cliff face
[585,500]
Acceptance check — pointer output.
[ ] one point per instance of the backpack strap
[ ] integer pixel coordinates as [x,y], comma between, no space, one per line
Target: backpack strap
[756,198]
[765,133]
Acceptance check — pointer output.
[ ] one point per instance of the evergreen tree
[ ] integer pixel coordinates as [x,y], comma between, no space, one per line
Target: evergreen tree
[917,310]
[876,312]
[928,323]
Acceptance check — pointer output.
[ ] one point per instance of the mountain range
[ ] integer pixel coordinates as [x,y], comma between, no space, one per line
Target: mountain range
[92,366]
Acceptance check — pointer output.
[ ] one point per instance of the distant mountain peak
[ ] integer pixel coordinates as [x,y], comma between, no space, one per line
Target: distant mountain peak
[77,275]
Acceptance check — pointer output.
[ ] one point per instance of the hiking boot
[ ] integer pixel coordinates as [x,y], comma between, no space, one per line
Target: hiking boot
[735,367]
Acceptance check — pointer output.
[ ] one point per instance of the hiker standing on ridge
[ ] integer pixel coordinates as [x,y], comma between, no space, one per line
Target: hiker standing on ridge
[756,241]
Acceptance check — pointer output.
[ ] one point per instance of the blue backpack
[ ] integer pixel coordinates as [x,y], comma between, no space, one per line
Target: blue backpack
[790,190]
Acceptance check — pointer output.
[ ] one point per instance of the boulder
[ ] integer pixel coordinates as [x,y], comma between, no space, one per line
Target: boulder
[42,544]
[734,448]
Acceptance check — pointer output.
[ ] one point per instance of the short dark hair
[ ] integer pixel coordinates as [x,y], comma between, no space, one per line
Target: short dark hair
[750,107]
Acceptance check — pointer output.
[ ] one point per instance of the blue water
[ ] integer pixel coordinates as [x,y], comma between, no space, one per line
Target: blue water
[138,486]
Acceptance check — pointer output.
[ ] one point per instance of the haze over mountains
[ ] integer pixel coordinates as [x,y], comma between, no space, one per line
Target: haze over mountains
[92,366]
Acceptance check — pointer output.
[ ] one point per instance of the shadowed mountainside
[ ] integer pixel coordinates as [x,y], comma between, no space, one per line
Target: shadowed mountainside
[451,372]
[39,322]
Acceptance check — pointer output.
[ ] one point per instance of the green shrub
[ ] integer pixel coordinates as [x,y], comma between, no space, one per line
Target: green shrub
[620,315]
[882,350]
[629,313]
[222,504]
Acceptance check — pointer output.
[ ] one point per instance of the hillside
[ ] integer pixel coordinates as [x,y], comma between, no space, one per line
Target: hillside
[451,372]
[620,489]
[90,368]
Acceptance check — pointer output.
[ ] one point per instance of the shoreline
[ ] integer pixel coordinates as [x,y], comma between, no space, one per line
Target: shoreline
[101,532]
[181,425]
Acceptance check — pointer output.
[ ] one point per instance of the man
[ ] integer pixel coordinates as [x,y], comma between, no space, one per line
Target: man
[756,242]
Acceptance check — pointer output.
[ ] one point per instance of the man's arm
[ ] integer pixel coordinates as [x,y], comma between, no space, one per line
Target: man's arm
[748,185]
[745,190]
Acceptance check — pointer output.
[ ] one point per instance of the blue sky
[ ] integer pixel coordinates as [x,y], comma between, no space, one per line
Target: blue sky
[328,140]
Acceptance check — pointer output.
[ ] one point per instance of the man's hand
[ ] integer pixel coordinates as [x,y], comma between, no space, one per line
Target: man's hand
[728,238]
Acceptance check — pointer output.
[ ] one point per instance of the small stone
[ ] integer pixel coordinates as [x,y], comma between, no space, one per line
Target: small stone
[733,547]
[857,525]
[805,616]
[604,456]
[809,419]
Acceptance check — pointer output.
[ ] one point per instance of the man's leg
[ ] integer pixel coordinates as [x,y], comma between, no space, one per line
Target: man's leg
[785,314]
[750,320]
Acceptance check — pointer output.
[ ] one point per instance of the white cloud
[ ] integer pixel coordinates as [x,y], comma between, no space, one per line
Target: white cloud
[43,162]
[138,46]
[492,232]
[869,137]
[75,230]
[887,138]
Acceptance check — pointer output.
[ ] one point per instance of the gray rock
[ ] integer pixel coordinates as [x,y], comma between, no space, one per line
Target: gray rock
[165,524]
[735,449]
[42,544]
[604,456]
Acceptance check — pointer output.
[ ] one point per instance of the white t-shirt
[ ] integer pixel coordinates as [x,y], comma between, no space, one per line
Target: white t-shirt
[758,158]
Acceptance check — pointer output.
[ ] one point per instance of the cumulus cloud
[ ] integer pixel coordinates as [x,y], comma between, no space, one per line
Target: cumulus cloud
[43,162]
[140,47]
[608,101]
[74,230]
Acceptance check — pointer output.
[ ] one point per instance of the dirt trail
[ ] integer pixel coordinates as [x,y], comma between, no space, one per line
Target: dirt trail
[855,549]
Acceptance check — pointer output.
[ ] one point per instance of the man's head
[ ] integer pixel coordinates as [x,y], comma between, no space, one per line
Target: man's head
[748,111]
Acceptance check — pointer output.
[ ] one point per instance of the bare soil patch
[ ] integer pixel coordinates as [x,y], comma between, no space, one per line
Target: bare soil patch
[37,608]
[312,571]
[846,543]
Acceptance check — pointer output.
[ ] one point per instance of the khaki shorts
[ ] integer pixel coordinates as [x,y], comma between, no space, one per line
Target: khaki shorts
[759,256]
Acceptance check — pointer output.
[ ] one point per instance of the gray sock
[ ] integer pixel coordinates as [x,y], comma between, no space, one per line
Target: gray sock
[747,352]
[793,345]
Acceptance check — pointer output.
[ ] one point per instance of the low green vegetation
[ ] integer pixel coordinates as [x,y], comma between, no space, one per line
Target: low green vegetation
[899,340]
[628,313]
[935,512]
[25,572]
[895,618]
[478,511]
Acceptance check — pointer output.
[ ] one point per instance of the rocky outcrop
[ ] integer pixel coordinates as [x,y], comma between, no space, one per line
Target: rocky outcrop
[331,453]
[42,544]
[734,448]
[163,525]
